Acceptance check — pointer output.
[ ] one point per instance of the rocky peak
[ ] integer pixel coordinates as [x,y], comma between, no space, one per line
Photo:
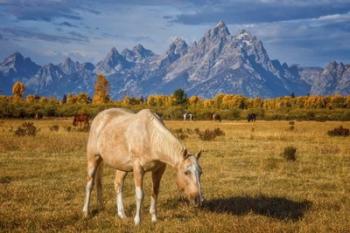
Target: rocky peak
[69,66]
[113,53]
[17,63]
[113,61]
[141,52]
[219,32]
[113,57]
[138,53]
[334,68]
[245,35]
[177,47]
[13,59]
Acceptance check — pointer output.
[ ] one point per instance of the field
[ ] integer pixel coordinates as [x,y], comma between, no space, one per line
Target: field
[248,185]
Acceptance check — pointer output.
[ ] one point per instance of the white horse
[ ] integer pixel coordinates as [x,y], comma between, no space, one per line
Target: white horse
[188,116]
[138,143]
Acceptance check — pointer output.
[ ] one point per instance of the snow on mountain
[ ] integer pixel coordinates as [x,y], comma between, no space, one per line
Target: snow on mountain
[217,62]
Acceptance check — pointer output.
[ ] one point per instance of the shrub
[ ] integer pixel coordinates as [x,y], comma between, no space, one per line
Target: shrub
[291,125]
[26,129]
[68,128]
[180,133]
[289,153]
[54,128]
[340,131]
[189,131]
[219,132]
[208,135]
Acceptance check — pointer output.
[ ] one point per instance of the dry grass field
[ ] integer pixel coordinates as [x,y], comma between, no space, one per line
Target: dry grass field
[248,185]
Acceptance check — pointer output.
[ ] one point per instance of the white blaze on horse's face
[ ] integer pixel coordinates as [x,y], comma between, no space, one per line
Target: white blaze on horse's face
[188,179]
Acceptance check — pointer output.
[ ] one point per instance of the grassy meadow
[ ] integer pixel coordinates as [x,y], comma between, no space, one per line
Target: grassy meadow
[248,185]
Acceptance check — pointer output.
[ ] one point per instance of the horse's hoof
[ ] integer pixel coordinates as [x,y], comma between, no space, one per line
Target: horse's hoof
[86,214]
[154,219]
[122,216]
[137,221]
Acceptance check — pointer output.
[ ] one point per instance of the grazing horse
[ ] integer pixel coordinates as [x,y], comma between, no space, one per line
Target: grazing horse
[38,116]
[251,117]
[81,120]
[188,116]
[216,117]
[138,143]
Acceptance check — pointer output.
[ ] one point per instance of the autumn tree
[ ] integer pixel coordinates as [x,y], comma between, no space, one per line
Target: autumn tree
[193,100]
[101,90]
[18,90]
[30,99]
[83,98]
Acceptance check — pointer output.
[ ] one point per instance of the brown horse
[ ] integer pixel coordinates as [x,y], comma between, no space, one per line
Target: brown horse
[138,143]
[216,117]
[81,120]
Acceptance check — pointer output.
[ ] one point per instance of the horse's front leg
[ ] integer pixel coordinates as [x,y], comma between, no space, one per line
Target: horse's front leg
[156,177]
[119,184]
[138,179]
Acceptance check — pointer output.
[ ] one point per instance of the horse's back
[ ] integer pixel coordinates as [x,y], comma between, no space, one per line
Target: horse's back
[101,121]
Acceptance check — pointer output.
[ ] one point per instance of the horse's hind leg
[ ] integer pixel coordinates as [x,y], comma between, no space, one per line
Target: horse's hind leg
[156,177]
[92,166]
[118,185]
[98,181]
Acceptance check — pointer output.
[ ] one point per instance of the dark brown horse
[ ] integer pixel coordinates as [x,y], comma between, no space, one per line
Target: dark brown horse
[81,120]
[251,117]
[216,117]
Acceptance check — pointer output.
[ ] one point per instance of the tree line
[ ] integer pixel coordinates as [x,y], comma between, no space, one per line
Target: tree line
[336,107]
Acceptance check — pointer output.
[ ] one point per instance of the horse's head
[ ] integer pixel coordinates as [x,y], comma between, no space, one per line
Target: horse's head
[188,178]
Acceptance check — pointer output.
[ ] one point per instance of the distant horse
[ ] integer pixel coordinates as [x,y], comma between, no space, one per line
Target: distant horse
[138,143]
[251,117]
[81,120]
[188,116]
[216,117]
[38,116]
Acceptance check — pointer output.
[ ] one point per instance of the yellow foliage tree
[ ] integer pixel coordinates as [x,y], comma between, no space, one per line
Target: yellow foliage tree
[83,98]
[193,100]
[18,90]
[30,99]
[101,90]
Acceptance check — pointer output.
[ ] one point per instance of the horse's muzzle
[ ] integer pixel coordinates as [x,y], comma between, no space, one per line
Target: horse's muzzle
[198,201]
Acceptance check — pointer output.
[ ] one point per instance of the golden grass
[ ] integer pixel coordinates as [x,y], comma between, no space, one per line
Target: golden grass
[248,186]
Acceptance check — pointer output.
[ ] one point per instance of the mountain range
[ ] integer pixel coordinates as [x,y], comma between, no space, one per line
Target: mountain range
[218,62]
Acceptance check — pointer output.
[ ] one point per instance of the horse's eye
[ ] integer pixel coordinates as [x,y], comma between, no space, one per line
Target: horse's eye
[187,173]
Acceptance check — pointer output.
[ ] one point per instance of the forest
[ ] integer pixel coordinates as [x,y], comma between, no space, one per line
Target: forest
[229,106]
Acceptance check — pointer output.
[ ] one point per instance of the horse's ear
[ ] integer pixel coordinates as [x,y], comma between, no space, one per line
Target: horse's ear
[198,155]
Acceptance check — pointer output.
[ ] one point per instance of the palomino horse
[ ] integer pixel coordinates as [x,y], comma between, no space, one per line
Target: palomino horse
[138,143]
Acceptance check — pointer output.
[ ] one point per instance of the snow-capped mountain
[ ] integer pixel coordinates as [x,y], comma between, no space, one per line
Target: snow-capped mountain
[218,62]
[15,67]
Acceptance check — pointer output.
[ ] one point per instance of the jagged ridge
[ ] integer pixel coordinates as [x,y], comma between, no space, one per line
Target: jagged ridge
[218,62]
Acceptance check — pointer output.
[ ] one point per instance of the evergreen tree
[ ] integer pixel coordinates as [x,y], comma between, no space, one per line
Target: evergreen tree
[180,96]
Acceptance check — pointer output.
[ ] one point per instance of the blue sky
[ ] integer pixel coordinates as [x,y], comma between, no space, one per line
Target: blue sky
[306,32]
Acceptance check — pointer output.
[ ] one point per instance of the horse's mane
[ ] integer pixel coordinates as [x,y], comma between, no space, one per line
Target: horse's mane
[164,141]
